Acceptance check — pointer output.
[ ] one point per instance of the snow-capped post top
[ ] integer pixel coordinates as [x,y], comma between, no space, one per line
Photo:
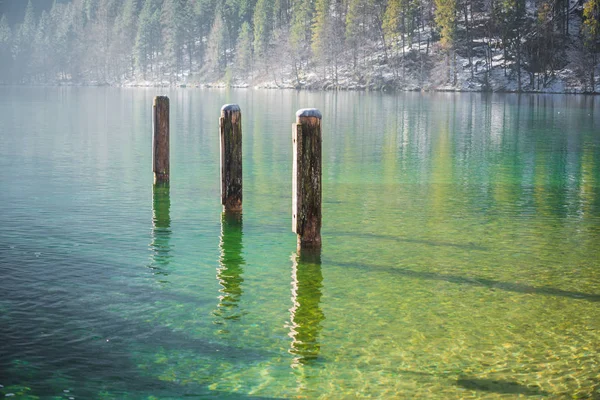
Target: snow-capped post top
[308,112]
[230,107]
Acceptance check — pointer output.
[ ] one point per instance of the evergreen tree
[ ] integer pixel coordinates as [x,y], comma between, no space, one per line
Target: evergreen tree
[281,13]
[147,38]
[203,18]
[392,20]
[24,44]
[125,32]
[247,10]
[230,14]
[98,36]
[43,47]
[243,60]
[263,26]
[5,49]
[319,30]
[173,22]
[354,27]
[216,61]
[393,26]
[445,19]
[513,20]
[300,32]
[591,34]
[64,39]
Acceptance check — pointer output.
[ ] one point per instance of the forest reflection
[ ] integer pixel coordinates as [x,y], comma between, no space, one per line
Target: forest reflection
[531,154]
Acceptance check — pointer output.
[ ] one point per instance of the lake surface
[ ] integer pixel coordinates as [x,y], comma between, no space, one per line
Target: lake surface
[461,248]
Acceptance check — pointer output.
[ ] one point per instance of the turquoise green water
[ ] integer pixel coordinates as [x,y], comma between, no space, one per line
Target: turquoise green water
[461,249]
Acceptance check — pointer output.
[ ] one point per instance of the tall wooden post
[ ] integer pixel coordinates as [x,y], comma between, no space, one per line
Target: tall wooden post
[230,125]
[160,139]
[306,185]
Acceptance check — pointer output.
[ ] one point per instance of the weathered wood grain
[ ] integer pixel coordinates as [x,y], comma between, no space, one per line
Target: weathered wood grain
[160,139]
[307,172]
[230,126]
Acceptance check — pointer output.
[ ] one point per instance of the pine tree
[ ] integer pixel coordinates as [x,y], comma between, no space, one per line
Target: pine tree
[353,27]
[203,18]
[230,14]
[64,38]
[281,13]
[263,26]
[173,24]
[243,60]
[148,34]
[5,49]
[591,34]
[98,36]
[216,61]
[391,20]
[445,19]
[43,46]
[247,10]
[125,32]
[513,19]
[24,44]
[392,23]
[300,31]
[319,30]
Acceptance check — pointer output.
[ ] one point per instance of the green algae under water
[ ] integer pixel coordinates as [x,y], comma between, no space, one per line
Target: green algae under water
[461,249]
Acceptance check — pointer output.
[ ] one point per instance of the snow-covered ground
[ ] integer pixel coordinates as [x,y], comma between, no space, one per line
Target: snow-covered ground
[420,66]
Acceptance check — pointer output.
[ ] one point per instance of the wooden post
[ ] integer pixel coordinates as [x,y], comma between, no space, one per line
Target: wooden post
[306,185]
[230,125]
[160,139]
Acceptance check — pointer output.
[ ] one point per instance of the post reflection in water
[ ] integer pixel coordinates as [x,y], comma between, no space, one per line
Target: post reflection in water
[230,270]
[306,315]
[161,230]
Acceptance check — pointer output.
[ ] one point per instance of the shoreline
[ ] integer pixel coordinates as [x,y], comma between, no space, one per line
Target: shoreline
[310,88]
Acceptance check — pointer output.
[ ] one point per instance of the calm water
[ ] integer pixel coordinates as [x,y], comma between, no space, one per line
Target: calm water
[461,249]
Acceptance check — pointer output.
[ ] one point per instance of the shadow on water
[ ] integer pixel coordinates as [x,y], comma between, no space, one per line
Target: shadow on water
[60,338]
[481,282]
[467,246]
[97,348]
[161,230]
[230,270]
[306,315]
[499,386]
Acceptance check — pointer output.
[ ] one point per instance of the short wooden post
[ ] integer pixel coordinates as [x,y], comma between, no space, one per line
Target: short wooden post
[160,139]
[306,185]
[230,125]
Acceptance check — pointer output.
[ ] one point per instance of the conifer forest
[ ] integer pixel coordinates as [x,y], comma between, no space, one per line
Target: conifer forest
[511,45]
